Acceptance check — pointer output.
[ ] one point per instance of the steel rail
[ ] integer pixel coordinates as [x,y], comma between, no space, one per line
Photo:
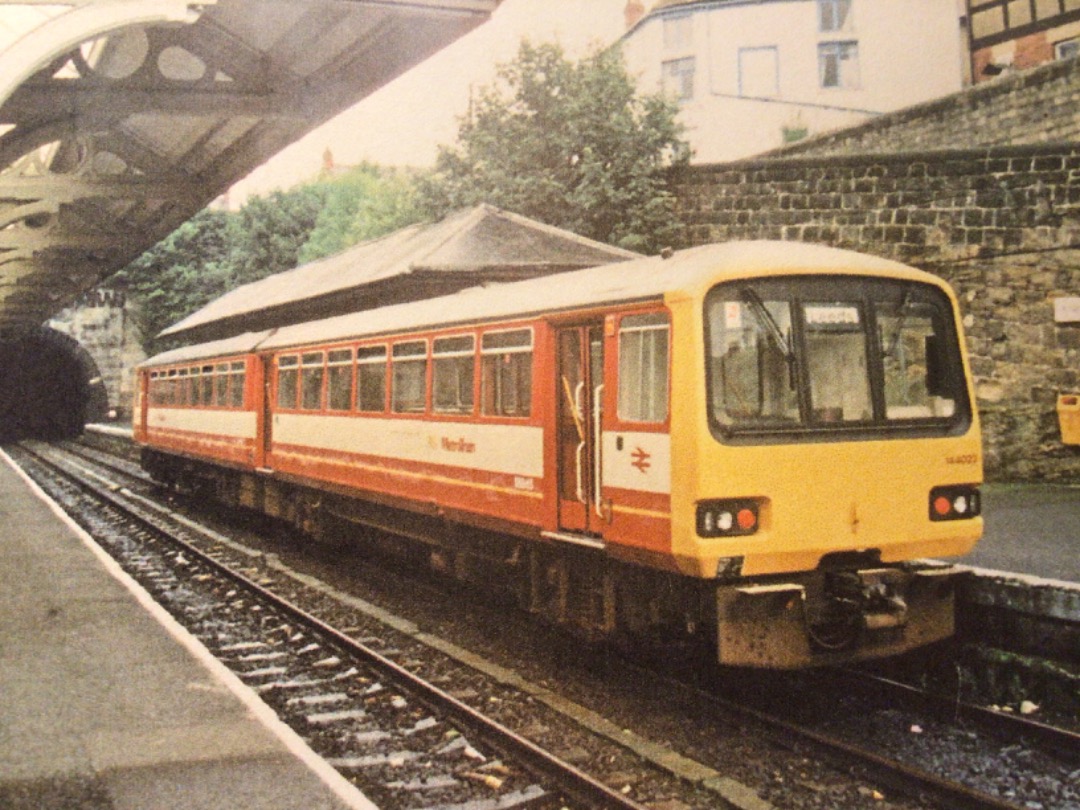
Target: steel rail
[1060,742]
[564,777]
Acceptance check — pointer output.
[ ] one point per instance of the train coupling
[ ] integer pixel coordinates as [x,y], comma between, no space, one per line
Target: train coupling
[834,616]
[867,600]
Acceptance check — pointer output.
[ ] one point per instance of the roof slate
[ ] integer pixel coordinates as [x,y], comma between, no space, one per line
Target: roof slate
[466,248]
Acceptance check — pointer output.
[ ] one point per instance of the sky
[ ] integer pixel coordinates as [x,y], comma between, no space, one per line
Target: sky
[403,123]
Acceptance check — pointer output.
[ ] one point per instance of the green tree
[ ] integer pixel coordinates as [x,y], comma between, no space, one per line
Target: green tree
[570,144]
[214,252]
[182,272]
[365,202]
[269,232]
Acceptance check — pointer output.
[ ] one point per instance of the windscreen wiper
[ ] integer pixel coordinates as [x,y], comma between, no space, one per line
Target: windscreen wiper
[766,319]
[901,321]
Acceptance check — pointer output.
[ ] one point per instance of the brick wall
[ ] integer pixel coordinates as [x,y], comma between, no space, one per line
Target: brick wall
[1002,225]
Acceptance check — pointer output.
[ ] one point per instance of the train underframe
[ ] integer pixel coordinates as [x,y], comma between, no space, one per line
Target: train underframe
[851,608]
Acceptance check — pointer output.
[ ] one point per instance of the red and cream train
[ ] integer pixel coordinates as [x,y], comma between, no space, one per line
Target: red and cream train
[759,441]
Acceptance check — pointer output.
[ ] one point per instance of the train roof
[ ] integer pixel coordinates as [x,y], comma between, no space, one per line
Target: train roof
[690,271]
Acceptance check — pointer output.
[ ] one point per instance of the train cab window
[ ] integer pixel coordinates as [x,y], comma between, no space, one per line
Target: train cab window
[339,384]
[833,353]
[371,379]
[836,360]
[236,384]
[408,385]
[453,372]
[749,362]
[506,373]
[288,381]
[643,367]
[910,347]
[312,373]
[221,385]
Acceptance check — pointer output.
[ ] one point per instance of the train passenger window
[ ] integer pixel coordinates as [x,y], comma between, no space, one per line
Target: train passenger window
[408,385]
[183,393]
[172,388]
[506,373]
[288,377]
[453,372]
[221,385]
[312,373]
[236,384]
[339,369]
[643,367]
[206,386]
[371,379]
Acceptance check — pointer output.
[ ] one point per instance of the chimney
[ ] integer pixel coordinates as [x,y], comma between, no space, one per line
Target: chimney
[633,12]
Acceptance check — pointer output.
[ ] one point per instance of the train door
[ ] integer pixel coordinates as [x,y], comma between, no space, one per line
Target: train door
[580,366]
[264,421]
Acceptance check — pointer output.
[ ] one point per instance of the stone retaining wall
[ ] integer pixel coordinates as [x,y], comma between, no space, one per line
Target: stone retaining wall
[1002,225]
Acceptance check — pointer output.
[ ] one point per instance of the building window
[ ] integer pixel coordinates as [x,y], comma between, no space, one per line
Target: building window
[506,373]
[678,31]
[678,78]
[454,365]
[1067,49]
[838,64]
[834,15]
[759,72]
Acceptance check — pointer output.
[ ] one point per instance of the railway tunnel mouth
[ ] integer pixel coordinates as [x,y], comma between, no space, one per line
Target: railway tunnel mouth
[50,386]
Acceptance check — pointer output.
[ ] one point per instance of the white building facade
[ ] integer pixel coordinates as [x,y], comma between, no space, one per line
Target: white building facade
[752,75]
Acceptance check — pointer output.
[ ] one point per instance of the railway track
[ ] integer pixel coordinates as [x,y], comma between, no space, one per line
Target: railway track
[406,742]
[891,773]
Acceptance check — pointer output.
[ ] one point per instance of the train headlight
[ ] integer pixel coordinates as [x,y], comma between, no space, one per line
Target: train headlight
[727,518]
[955,503]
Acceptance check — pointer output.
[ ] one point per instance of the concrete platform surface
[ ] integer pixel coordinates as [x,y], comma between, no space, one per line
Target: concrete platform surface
[107,704]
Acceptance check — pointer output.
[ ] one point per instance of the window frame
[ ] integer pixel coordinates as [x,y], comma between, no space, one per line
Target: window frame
[336,364]
[666,327]
[839,51]
[868,294]
[404,359]
[308,361]
[487,353]
[365,356]
[828,15]
[453,354]
[678,78]
[281,365]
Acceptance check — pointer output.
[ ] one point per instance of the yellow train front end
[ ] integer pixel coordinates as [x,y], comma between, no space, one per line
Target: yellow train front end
[825,444]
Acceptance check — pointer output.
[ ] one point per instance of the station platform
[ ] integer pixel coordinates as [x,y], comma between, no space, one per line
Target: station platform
[107,704]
